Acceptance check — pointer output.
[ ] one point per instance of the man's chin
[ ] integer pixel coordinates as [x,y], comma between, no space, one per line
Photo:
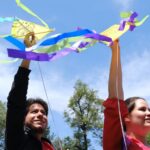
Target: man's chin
[38,129]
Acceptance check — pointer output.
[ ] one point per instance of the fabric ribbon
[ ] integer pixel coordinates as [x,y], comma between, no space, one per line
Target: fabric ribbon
[27,55]
[21,5]
[7,19]
[15,42]
[130,19]
[42,56]
[55,55]
[52,40]
[8,61]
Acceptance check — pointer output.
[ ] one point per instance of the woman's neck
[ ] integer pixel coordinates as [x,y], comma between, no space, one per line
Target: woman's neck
[138,137]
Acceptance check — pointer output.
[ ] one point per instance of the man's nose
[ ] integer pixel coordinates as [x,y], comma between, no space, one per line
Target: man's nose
[40,114]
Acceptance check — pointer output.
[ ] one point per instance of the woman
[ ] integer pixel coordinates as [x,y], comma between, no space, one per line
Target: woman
[133,114]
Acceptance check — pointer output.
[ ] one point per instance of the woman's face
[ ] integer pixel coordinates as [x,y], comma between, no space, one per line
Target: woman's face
[140,116]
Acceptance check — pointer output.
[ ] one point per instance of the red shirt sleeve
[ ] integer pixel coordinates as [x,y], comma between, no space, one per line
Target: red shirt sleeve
[112,134]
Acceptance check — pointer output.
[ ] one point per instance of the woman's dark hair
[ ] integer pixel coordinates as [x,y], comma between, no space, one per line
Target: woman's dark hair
[130,102]
[40,101]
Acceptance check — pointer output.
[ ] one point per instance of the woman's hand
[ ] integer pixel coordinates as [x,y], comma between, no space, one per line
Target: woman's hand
[115,45]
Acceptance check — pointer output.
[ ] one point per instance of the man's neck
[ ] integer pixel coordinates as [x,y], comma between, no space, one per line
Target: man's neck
[39,137]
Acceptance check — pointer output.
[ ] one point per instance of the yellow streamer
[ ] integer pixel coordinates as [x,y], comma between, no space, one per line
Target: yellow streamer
[30,12]
[8,61]
[114,33]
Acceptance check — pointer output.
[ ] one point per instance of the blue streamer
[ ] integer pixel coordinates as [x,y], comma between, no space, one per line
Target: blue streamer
[15,42]
[54,40]
[7,19]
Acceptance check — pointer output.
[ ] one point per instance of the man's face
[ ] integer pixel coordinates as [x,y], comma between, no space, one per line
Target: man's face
[36,118]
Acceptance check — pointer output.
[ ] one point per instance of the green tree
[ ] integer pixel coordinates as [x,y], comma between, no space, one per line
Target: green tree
[56,141]
[48,134]
[148,139]
[84,115]
[66,144]
[2,123]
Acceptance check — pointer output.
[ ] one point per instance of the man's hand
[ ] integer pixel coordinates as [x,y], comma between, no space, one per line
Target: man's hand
[29,39]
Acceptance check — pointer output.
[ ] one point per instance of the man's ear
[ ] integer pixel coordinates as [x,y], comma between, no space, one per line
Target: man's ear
[127,119]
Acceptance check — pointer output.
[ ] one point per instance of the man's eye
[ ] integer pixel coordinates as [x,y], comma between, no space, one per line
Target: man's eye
[34,111]
[43,112]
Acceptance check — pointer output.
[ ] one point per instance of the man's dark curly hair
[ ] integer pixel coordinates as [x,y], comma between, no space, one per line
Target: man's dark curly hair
[40,101]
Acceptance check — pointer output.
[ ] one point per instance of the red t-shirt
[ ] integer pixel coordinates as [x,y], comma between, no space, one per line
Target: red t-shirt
[112,135]
[135,144]
[46,146]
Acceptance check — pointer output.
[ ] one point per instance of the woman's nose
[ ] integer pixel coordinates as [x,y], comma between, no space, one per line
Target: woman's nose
[148,112]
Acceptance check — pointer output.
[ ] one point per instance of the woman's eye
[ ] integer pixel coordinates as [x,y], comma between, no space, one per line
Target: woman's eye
[143,109]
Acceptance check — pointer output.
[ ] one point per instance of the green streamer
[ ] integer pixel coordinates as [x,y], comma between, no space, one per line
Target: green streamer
[125,14]
[67,43]
[8,61]
[30,12]
[139,23]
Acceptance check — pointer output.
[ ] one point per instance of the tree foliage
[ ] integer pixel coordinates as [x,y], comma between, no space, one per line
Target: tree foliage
[2,123]
[148,139]
[48,134]
[84,115]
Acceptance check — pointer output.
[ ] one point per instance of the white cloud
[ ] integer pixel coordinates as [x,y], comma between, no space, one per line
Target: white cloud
[6,73]
[6,77]
[57,88]
[5,28]
[136,81]
[137,75]
[124,4]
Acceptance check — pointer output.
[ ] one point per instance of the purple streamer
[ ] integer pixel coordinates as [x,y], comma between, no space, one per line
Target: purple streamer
[130,20]
[99,37]
[83,44]
[122,25]
[38,56]
[59,54]
[50,57]
[27,55]
[133,16]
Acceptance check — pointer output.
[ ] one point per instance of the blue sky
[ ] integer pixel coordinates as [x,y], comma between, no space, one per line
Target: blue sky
[92,65]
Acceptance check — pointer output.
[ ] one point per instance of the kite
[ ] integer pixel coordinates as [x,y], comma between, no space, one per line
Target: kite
[21,27]
[59,45]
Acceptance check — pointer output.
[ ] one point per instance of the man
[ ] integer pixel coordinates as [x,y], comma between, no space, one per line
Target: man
[26,119]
